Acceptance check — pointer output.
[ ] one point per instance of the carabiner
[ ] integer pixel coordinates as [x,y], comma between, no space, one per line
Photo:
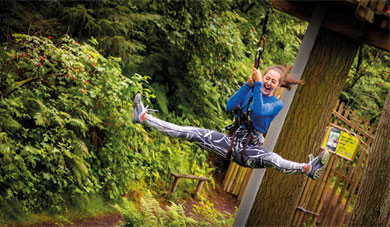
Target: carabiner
[259,52]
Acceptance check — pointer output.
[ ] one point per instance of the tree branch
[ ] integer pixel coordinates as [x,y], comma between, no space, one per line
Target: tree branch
[22,83]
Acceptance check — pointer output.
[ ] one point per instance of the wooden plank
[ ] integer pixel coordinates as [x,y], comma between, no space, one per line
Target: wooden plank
[341,108]
[372,4]
[300,203]
[234,175]
[366,14]
[189,176]
[316,193]
[337,104]
[365,125]
[339,111]
[316,197]
[363,3]
[341,20]
[349,26]
[352,193]
[371,130]
[342,192]
[346,113]
[380,7]
[245,183]
[240,179]
[333,163]
[385,25]
[353,115]
[359,121]
[355,127]
[334,190]
[355,120]
[302,216]
[347,110]
[228,175]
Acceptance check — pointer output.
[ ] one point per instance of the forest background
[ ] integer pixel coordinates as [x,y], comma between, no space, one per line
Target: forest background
[70,71]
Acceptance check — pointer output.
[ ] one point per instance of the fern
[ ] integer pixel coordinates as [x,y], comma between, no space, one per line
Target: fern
[162,100]
[77,124]
[41,119]
[150,213]
[3,137]
[81,18]
[79,145]
[9,124]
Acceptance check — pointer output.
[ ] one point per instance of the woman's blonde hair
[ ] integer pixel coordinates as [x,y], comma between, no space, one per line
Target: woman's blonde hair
[286,80]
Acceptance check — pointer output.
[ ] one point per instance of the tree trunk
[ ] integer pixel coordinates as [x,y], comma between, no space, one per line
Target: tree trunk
[372,205]
[304,127]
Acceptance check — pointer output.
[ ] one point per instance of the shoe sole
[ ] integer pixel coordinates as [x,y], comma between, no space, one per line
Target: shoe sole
[324,162]
[135,117]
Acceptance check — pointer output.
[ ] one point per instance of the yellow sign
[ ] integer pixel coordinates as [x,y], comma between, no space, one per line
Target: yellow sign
[341,143]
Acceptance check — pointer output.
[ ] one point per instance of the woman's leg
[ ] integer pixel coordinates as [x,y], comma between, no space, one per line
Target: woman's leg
[258,157]
[214,141]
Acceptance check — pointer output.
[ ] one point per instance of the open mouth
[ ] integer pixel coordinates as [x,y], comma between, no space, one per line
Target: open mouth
[267,87]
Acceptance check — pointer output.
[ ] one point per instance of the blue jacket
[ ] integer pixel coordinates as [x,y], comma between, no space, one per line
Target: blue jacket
[264,108]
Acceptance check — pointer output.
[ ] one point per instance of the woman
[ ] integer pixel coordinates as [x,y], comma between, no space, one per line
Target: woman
[245,149]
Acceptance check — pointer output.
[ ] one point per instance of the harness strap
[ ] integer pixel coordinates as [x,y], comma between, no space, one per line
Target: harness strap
[229,153]
[249,138]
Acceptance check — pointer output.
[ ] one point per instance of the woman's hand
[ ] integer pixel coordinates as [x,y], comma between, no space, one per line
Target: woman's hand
[256,75]
[250,81]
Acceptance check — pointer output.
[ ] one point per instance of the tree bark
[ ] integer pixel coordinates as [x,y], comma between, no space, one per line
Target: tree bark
[304,127]
[372,205]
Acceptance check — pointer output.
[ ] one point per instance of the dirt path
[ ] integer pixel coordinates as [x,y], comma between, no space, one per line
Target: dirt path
[101,220]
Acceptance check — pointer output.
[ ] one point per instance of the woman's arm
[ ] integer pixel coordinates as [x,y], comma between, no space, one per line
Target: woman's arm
[238,98]
[261,108]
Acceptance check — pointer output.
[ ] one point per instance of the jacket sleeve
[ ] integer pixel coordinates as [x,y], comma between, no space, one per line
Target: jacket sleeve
[264,109]
[238,98]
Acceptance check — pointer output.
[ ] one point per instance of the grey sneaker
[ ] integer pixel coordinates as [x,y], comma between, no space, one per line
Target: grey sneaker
[318,164]
[139,109]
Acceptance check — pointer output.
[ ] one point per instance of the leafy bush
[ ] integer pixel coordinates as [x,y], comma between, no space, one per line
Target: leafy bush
[66,130]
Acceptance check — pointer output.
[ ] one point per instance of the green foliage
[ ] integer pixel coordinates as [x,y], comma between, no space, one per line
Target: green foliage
[197,53]
[209,216]
[368,83]
[65,129]
[150,213]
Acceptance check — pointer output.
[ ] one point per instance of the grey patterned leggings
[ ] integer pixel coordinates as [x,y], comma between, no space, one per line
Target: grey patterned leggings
[255,155]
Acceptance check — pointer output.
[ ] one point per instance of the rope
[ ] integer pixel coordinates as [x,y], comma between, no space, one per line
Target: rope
[260,47]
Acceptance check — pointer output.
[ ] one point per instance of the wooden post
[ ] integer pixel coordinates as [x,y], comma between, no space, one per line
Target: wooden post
[198,189]
[174,186]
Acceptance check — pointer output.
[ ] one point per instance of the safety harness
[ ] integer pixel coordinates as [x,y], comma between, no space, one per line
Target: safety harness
[242,117]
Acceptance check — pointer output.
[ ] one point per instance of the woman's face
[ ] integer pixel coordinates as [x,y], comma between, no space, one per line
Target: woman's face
[271,81]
